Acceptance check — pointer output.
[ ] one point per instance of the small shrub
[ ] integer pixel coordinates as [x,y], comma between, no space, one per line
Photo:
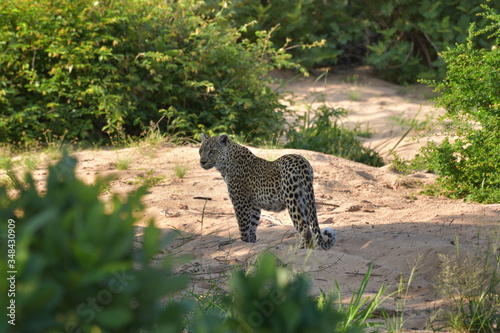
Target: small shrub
[76,266]
[123,163]
[354,95]
[325,133]
[180,170]
[148,179]
[406,167]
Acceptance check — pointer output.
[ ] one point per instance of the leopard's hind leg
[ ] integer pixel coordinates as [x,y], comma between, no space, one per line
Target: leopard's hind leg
[302,208]
[297,208]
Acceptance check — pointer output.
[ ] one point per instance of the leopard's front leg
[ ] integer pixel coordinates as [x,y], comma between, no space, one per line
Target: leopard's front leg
[248,219]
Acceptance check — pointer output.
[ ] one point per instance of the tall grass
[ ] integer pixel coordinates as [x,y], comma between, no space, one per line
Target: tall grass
[396,323]
[471,284]
[360,308]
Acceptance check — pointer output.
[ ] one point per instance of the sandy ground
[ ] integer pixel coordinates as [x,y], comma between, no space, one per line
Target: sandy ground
[379,215]
[384,109]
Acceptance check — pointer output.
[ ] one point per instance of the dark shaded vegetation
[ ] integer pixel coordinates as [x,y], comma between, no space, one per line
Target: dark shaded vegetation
[400,38]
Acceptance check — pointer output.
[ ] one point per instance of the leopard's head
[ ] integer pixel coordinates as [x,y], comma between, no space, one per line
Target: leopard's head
[213,152]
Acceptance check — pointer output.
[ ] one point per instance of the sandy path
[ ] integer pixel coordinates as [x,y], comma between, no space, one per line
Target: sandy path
[383,108]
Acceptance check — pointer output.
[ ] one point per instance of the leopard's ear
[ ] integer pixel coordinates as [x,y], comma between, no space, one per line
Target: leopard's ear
[203,137]
[223,139]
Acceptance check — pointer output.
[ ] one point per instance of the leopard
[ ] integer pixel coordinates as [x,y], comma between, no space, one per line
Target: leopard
[256,184]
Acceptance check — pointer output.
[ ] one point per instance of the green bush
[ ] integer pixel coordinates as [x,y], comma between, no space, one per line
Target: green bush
[468,161]
[400,38]
[98,69]
[319,133]
[272,299]
[75,261]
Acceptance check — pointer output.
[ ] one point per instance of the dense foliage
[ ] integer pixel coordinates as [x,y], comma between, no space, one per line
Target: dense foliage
[400,38]
[468,161]
[98,69]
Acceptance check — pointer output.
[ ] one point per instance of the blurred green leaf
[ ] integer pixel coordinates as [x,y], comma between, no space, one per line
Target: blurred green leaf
[75,262]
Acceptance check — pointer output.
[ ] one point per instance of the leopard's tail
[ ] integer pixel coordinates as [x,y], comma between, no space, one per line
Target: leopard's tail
[331,235]
[307,211]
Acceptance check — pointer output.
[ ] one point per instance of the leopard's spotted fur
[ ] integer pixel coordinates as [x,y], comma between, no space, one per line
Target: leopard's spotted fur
[254,184]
